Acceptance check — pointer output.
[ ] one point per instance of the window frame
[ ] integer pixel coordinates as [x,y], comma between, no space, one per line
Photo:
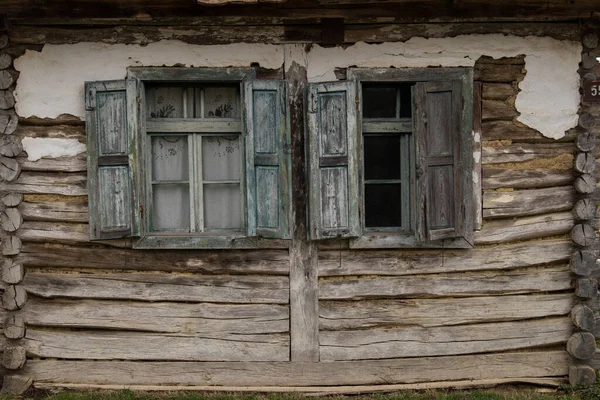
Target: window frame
[373,238]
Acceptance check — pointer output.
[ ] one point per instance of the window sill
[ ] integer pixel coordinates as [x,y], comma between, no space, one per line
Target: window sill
[388,240]
[208,242]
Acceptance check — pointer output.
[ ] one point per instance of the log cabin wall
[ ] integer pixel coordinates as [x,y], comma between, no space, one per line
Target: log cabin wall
[306,316]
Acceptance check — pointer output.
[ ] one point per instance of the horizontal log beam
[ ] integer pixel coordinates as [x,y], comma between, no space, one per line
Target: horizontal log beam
[527,202]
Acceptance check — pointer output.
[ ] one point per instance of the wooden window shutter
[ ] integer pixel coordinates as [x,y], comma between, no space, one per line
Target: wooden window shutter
[444,175]
[111,143]
[268,159]
[332,156]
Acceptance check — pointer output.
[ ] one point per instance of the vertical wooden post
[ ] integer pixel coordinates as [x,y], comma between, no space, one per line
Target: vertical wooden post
[304,316]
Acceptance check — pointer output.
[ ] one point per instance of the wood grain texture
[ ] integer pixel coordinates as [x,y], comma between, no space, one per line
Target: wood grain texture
[411,262]
[581,345]
[508,230]
[513,130]
[585,209]
[435,341]
[7,100]
[59,164]
[585,184]
[498,91]
[158,317]
[583,262]
[583,317]
[54,211]
[505,365]
[10,146]
[12,199]
[11,219]
[497,110]
[15,384]
[8,119]
[364,314]
[494,178]
[14,357]
[12,271]
[14,297]
[58,131]
[54,232]
[160,287]
[582,375]
[528,202]
[9,169]
[521,152]
[14,327]
[490,283]
[47,183]
[11,245]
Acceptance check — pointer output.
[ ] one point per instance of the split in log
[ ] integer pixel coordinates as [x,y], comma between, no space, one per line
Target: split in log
[56,211]
[585,209]
[582,375]
[581,345]
[585,163]
[14,357]
[583,262]
[12,272]
[11,245]
[586,141]
[494,178]
[586,121]
[8,122]
[6,79]
[14,327]
[586,288]
[590,40]
[527,202]
[10,146]
[506,230]
[9,169]
[15,385]
[585,184]
[11,219]
[42,183]
[583,235]
[14,297]
[7,100]
[583,317]
[12,199]
[5,60]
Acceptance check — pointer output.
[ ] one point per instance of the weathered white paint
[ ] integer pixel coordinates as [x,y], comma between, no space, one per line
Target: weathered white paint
[51,81]
[37,148]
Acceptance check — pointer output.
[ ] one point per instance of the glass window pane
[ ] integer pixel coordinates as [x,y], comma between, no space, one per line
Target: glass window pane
[383,205]
[221,158]
[164,101]
[221,102]
[222,208]
[405,100]
[382,156]
[170,159]
[379,101]
[171,207]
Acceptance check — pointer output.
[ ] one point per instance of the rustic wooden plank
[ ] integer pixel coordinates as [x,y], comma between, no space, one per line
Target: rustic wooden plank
[58,131]
[522,152]
[54,232]
[48,183]
[498,91]
[494,178]
[160,287]
[156,347]
[528,202]
[60,164]
[497,366]
[498,73]
[363,314]
[158,317]
[412,262]
[265,262]
[508,230]
[416,341]
[44,210]
[493,110]
[513,130]
[489,283]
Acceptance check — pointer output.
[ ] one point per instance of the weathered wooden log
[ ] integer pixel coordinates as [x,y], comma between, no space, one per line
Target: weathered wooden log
[14,327]
[497,110]
[499,74]
[522,152]
[507,230]
[11,219]
[6,79]
[8,121]
[586,141]
[60,164]
[15,385]
[12,199]
[42,183]
[416,341]
[12,271]
[581,345]
[583,317]
[590,40]
[588,60]
[388,313]
[450,368]
[585,209]
[583,235]
[514,130]
[11,245]
[494,178]
[586,288]
[14,297]
[586,121]
[497,91]
[585,163]
[9,169]
[54,232]
[585,184]
[3,41]
[5,60]
[57,211]
[7,100]
[583,262]
[10,146]
[58,131]
[582,375]
[528,202]
[14,357]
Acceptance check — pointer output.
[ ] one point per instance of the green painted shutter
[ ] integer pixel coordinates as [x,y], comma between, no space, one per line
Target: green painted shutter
[268,159]
[332,156]
[444,174]
[110,141]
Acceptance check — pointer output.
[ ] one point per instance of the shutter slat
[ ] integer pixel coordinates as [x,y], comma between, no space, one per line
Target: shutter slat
[332,129]
[268,162]
[110,187]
